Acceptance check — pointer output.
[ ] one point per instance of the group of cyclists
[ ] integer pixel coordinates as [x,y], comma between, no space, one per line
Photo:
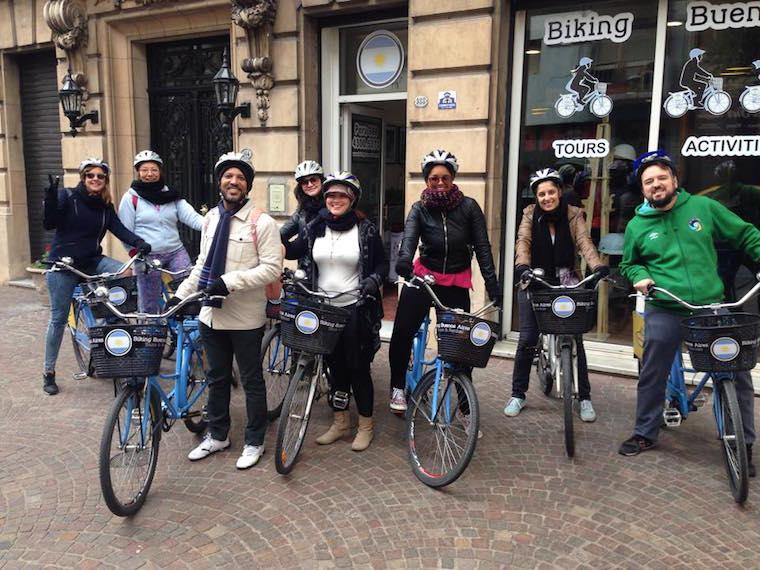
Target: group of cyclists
[669,241]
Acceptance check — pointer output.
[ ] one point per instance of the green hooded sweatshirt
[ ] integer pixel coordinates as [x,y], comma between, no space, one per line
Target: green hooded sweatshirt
[675,248]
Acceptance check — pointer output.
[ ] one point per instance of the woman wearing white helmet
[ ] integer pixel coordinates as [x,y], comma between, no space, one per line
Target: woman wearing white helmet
[550,234]
[449,227]
[80,217]
[309,177]
[346,253]
[153,210]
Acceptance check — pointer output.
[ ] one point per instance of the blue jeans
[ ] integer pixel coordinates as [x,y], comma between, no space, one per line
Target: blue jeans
[61,286]
[149,284]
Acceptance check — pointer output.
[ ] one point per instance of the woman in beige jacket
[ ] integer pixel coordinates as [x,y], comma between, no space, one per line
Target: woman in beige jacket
[550,234]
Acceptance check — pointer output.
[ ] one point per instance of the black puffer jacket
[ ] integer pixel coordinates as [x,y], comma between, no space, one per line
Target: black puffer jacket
[448,241]
[296,225]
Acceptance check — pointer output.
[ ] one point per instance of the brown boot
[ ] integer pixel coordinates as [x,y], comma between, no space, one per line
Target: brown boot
[364,434]
[338,429]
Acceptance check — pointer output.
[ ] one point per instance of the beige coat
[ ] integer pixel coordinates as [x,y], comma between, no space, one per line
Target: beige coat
[250,267]
[583,243]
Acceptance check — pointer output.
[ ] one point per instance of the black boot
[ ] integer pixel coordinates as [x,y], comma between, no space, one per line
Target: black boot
[750,465]
[49,385]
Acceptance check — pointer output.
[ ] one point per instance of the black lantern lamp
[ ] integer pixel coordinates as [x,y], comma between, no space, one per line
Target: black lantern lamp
[226,87]
[71,100]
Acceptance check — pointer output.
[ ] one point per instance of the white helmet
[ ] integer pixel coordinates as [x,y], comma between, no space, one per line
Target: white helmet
[241,160]
[307,168]
[147,156]
[442,157]
[545,174]
[99,162]
[624,151]
[346,179]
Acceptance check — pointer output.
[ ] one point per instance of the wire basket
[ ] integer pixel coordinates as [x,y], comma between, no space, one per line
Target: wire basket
[125,351]
[311,326]
[122,293]
[564,311]
[722,343]
[463,339]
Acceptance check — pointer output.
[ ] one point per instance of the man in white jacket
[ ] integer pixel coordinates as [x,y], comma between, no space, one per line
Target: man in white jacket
[240,254]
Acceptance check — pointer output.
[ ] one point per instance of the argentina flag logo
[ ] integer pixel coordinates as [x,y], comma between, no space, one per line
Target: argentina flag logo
[380,59]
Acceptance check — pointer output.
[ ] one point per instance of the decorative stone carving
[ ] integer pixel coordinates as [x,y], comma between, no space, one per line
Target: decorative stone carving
[68,22]
[256,17]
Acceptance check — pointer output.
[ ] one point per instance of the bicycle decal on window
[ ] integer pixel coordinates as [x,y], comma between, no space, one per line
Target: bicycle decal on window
[750,98]
[701,90]
[584,89]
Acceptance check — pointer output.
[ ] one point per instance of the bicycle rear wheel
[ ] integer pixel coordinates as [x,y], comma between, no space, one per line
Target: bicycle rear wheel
[440,434]
[80,339]
[276,361]
[196,387]
[566,373]
[294,419]
[544,365]
[731,433]
[128,452]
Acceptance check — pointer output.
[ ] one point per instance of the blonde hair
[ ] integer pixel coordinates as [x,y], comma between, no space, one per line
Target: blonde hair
[106,194]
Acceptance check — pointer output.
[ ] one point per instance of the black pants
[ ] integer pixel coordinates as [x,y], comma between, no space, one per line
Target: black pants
[349,367]
[245,346]
[526,352]
[413,305]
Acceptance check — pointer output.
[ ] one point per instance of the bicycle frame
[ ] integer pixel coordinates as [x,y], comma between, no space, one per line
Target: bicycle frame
[419,364]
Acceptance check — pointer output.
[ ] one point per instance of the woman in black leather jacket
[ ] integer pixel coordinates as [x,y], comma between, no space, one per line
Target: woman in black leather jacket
[450,228]
[309,177]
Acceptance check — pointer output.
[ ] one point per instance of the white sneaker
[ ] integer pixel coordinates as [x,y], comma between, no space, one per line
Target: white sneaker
[398,400]
[587,411]
[514,406]
[465,420]
[208,446]
[250,457]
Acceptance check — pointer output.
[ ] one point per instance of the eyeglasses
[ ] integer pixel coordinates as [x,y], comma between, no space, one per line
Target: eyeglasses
[437,179]
[148,170]
[91,175]
[309,181]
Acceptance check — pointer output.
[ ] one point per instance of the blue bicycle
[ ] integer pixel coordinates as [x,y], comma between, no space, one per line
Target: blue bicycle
[131,354]
[720,343]
[443,414]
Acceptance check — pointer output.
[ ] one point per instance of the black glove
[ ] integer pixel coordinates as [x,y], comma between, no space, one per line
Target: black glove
[523,272]
[602,271]
[497,300]
[217,288]
[52,188]
[172,302]
[368,287]
[143,247]
[404,269]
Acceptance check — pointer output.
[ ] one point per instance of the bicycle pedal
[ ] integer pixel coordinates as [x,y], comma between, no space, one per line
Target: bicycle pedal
[340,400]
[79,375]
[671,417]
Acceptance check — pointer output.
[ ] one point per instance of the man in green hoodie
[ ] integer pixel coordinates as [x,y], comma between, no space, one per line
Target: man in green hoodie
[669,242]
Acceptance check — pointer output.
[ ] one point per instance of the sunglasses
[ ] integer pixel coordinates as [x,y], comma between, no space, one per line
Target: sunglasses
[309,181]
[437,179]
[91,175]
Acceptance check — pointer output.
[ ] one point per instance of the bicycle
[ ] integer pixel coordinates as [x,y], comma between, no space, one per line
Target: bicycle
[311,326]
[714,100]
[276,365]
[562,313]
[719,344]
[750,98]
[599,103]
[452,416]
[85,314]
[131,355]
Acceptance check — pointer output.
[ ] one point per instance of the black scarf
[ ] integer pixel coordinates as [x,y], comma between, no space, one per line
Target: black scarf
[311,205]
[93,201]
[545,254]
[155,192]
[336,223]
[216,256]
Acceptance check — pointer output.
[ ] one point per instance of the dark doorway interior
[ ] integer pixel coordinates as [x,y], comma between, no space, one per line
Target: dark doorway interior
[184,127]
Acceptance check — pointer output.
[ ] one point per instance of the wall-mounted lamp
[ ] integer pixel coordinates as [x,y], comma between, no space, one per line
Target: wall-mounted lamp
[71,95]
[226,87]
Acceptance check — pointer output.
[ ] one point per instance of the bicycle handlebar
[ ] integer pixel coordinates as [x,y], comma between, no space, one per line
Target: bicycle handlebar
[67,264]
[712,306]
[429,280]
[102,294]
[590,277]
[290,277]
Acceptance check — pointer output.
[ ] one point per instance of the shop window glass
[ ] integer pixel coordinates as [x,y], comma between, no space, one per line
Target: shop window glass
[381,67]
[712,89]
[588,75]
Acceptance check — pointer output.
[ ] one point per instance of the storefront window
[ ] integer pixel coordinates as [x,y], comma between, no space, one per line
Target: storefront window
[586,112]
[711,114]
[373,59]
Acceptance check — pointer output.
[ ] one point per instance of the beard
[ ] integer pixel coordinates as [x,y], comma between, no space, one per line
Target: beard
[664,201]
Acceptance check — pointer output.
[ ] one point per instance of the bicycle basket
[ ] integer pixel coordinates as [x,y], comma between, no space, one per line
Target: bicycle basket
[311,326]
[463,339]
[124,351]
[122,292]
[565,311]
[722,343]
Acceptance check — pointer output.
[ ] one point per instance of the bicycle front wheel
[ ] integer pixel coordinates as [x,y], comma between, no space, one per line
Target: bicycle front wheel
[80,339]
[276,361]
[731,433]
[566,373]
[129,451]
[442,427]
[294,419]
[196,387]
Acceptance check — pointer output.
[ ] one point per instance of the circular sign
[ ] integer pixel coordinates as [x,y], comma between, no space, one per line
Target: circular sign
[118,342]
[117,295]
[307,322]
[563,306]
[480,334]
[420,101]
[380,59]
[724,349]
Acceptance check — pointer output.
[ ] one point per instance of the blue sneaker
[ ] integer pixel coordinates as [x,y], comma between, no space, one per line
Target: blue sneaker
[514,406]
